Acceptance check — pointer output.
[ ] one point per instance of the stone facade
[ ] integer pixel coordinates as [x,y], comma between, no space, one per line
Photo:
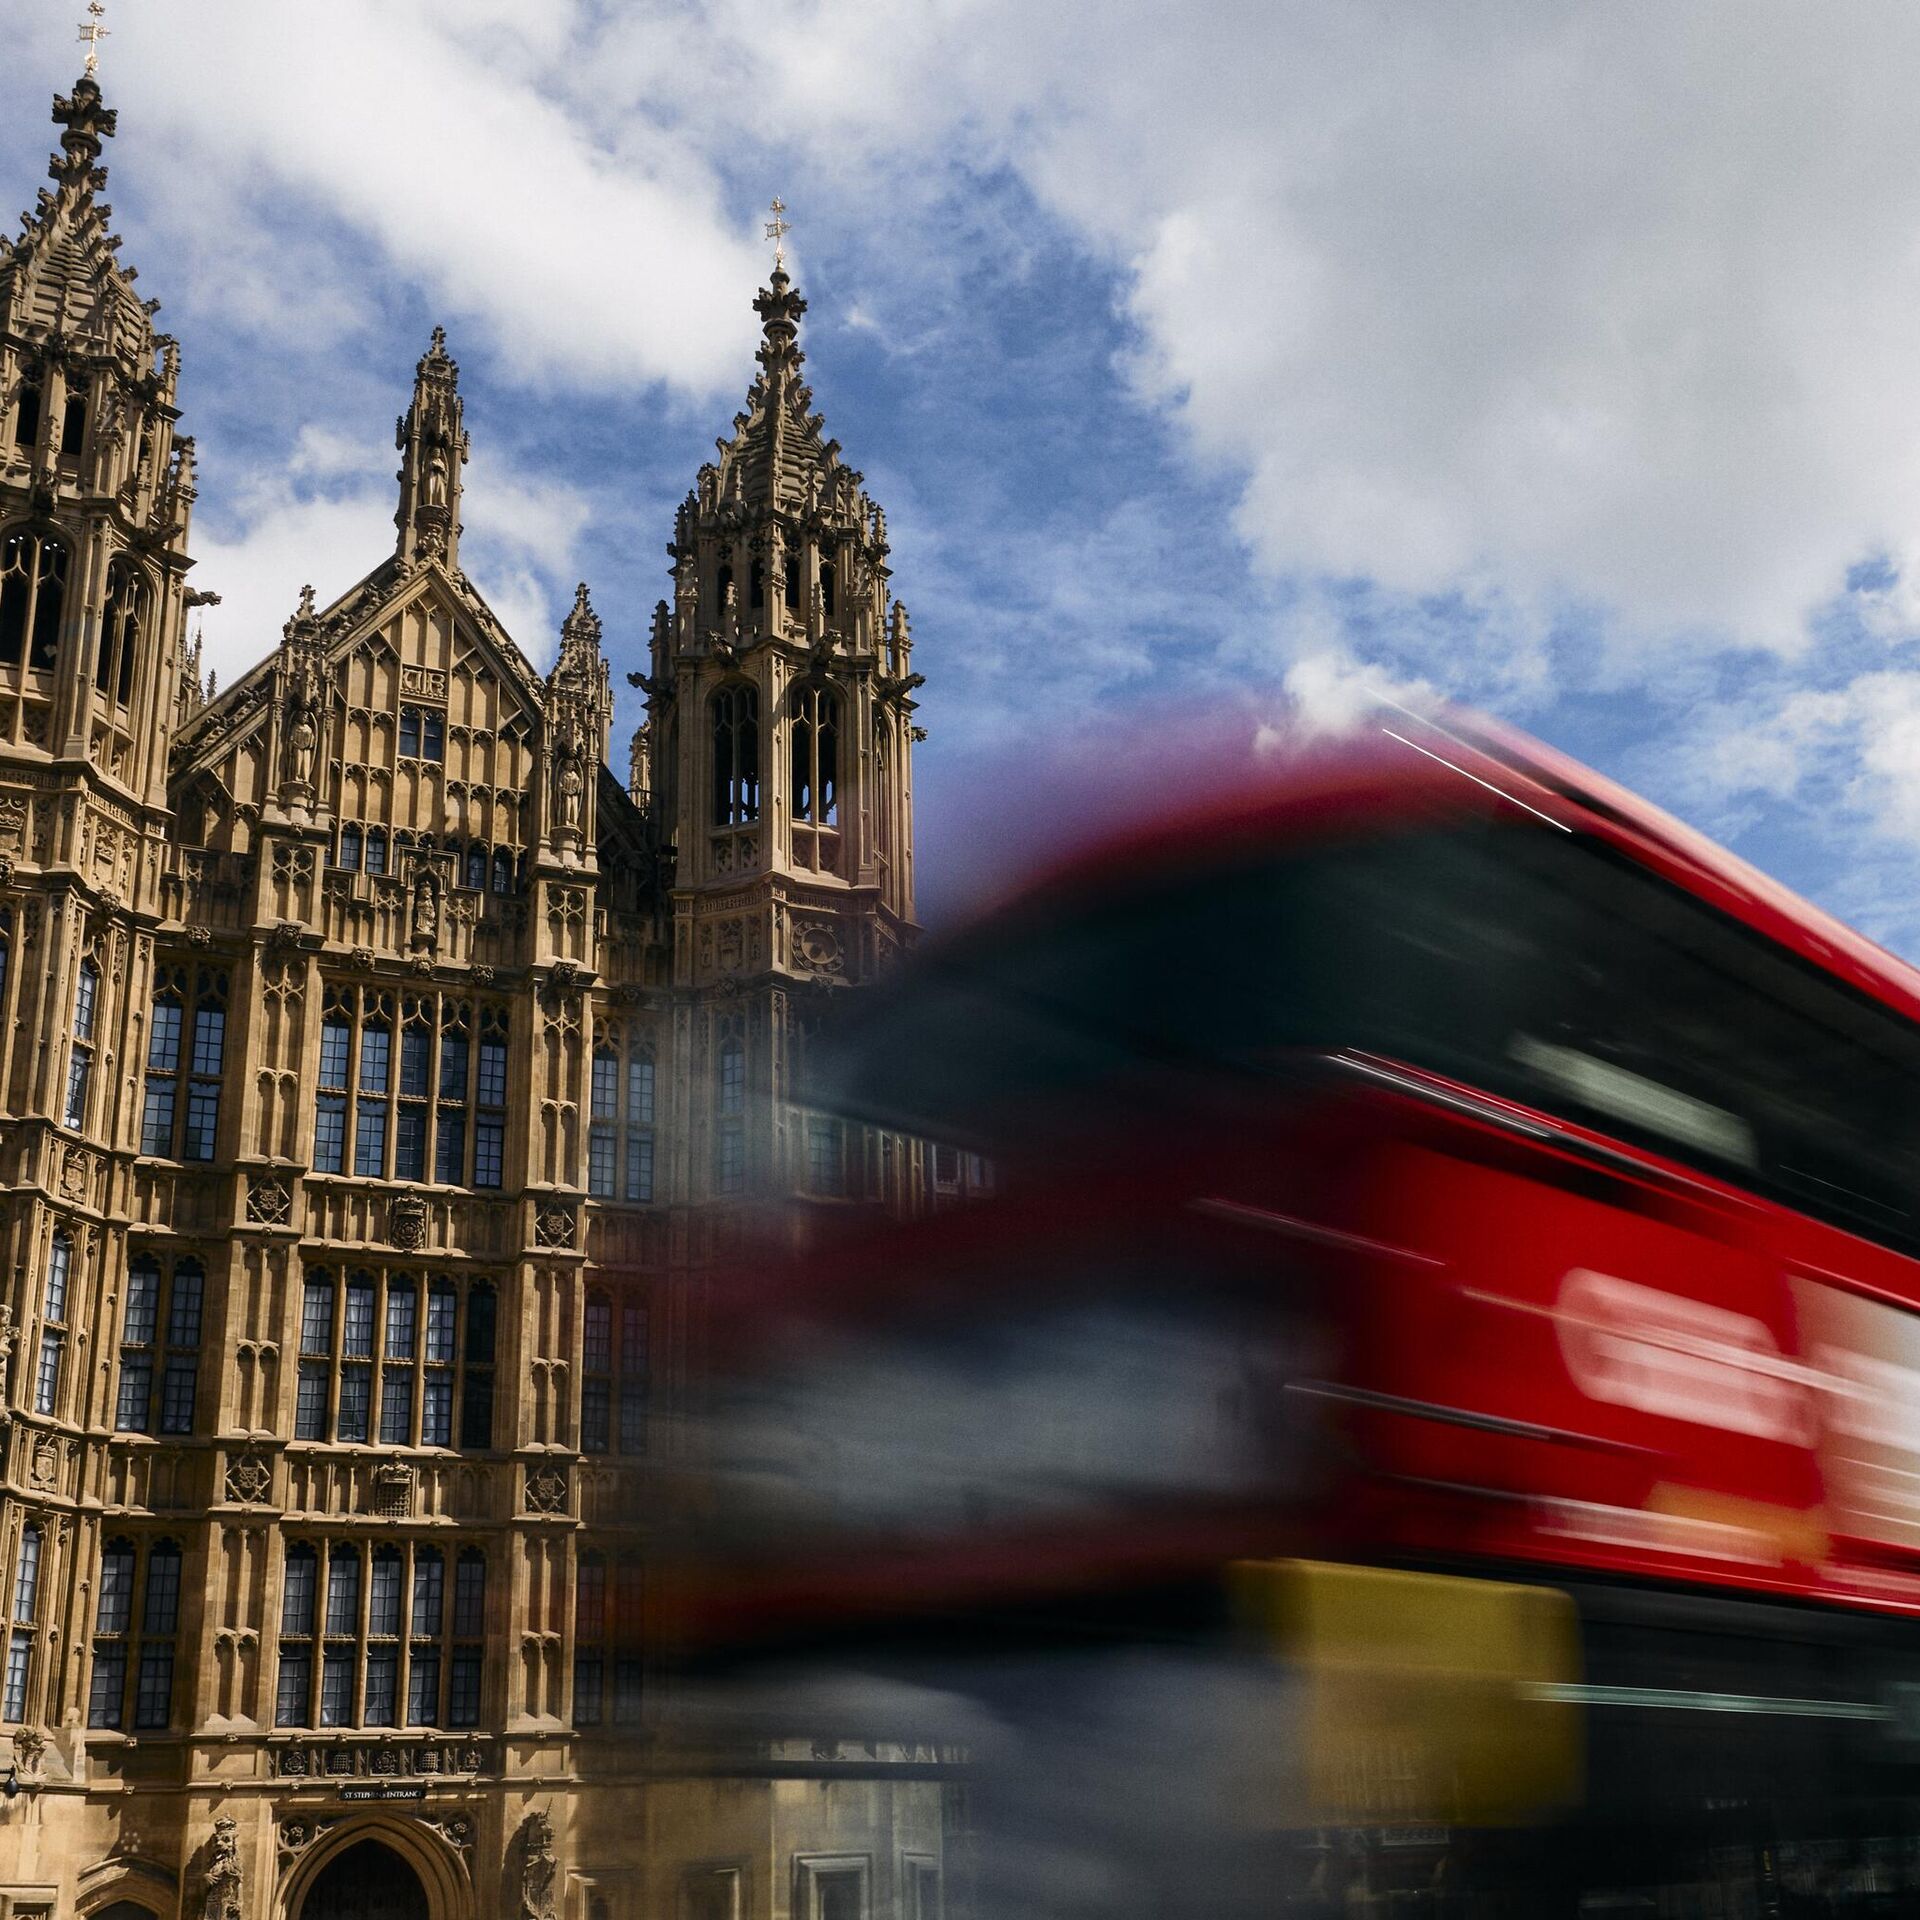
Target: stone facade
[379,1074]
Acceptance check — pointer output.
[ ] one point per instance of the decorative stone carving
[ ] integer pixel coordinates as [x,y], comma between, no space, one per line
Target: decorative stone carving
[546,1490]
[407,1222]
[221,1884]
[269,1200]
[817,947]
[553,1226]
[392,1490]
[539,1869]
[456,1829]
[249,1480]
[76,1174]
[45,1470]
[29,1749]
[200,936]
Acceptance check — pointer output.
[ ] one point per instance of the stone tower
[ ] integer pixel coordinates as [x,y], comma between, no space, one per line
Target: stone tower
[95,494]
[777,762]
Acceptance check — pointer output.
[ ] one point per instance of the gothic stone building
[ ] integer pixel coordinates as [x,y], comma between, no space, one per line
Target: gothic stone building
[378,1073]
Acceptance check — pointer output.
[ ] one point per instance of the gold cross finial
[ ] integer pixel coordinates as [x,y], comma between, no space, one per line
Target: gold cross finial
[92,32]
[777,230]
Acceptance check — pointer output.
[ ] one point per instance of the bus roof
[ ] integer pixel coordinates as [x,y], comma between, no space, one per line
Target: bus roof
[1403,768]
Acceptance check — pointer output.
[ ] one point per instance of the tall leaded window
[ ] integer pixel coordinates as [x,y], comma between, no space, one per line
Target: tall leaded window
[86,1001]
[603,1133]
[828,583]
[826,1156]
[736,755]
[26,1619]
[607,1670]
[411,1087]
[33,594]
[395,1357]
[816,755]
[620,1135]
[376,856]
[53,1325]
[135,1627]
[490,1100]
[122,626]
[160,1333]
[186,1057]
[615,1377]
[730,1107]
[380,1636]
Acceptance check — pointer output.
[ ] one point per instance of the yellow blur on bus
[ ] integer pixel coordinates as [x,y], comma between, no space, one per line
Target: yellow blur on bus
[1424,1699]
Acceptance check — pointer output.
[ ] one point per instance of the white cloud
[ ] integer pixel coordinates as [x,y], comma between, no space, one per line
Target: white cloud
[444,139]
[1609,304]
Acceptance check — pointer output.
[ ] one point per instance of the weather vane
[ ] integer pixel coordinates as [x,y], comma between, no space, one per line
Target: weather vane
[92,32]
[777,230]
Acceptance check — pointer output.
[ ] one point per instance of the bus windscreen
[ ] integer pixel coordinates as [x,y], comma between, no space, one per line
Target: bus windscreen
[1543,967]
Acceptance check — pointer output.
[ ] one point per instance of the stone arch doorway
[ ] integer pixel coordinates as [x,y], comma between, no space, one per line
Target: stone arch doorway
[367,1881]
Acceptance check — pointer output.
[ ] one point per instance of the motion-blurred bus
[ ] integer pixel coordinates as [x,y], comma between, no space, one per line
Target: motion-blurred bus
[1429,1418]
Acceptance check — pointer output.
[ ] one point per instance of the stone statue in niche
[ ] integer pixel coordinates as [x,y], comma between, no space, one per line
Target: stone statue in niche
[426,909]
[437,477]
[569,781]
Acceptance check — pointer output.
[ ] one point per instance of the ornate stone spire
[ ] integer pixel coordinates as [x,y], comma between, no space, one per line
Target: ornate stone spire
[300,691]
[433,448]
[579,718]
[779,308]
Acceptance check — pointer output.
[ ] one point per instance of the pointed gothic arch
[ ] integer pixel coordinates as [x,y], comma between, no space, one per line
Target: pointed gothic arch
[409,1853]
[34,564]
[123,625]
[735,710]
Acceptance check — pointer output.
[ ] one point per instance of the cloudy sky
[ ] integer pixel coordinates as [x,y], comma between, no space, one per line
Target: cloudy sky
[1564,359]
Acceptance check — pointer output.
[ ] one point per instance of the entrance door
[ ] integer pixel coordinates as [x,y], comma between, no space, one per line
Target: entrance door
[367,1882]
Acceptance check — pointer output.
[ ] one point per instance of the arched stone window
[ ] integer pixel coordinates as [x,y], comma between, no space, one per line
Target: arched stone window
[26,418]
[477,868]
[816,756]
[33,594]
[828,584]
[736,755]
[122,626]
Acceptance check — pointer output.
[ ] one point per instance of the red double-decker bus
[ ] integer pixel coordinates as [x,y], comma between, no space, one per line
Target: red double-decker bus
[1437,1387]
